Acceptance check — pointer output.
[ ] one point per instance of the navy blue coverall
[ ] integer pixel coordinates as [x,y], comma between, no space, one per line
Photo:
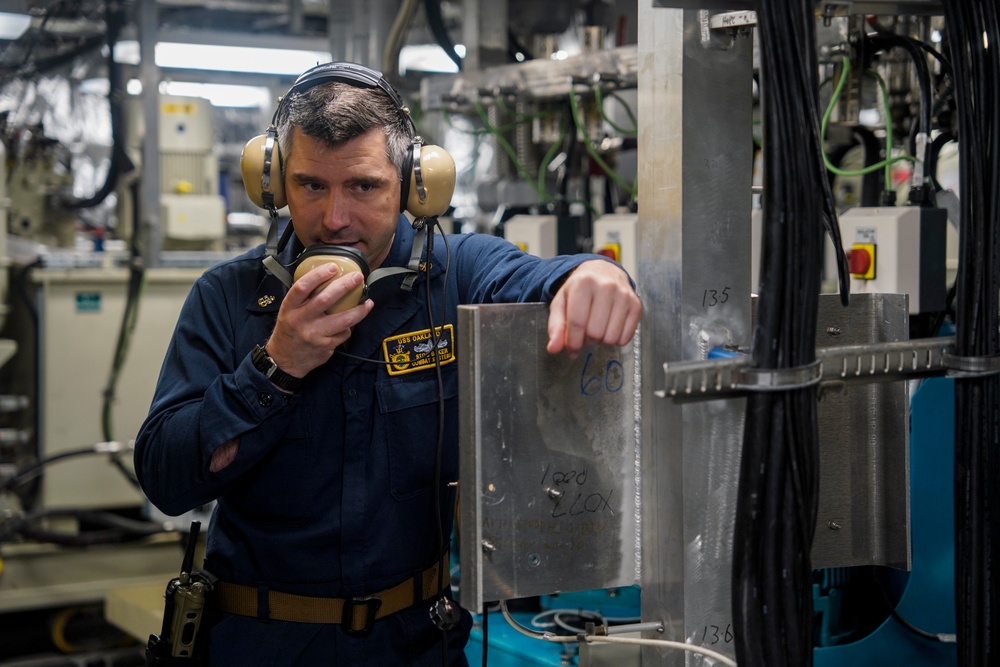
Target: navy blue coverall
[331,491]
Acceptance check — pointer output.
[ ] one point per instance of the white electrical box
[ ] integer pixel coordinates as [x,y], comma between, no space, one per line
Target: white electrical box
[898,250]
[616,235]
[80,312]
[193,217]
[534,234]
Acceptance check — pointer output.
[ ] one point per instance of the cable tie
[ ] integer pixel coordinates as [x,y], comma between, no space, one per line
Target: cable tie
[780,379]
[960,366]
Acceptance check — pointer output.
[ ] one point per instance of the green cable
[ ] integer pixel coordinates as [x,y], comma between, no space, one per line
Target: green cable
[119,356]
[574,107]
[518,116]
[621,130]
[511,153]
[884,164]
[549,156]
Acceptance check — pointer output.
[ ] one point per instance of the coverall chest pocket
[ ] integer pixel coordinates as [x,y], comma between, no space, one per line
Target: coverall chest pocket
[408,416]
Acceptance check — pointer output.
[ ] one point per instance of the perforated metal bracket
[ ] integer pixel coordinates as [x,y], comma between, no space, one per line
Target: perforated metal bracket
[880,362]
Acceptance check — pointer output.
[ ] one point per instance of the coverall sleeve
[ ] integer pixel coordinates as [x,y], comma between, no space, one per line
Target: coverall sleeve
[499,272]
[208,393]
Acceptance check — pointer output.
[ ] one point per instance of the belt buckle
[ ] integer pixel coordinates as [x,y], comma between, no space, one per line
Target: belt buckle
[372,605]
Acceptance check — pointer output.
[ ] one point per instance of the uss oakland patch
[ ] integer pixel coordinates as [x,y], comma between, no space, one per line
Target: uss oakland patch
[411,352]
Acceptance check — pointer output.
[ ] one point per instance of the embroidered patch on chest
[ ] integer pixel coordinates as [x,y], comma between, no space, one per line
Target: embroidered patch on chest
[414,351]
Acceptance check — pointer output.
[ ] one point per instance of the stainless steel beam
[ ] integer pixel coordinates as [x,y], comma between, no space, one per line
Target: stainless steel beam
[225,38]
[484,32]
[149,75]
[694,92]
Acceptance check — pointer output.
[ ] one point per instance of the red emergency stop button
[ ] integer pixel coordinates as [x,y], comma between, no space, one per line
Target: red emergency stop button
[610,250]
[861,260]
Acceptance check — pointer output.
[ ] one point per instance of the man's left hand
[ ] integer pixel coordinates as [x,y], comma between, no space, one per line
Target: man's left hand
[596,304]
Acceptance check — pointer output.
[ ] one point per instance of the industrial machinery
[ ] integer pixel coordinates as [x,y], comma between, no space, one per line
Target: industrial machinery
[876,586]
[767,475]
[192,212]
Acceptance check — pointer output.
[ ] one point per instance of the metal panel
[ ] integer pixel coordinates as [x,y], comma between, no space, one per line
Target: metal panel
[694,276]
[834,8]
[864,513]
[549,460]
[484,33]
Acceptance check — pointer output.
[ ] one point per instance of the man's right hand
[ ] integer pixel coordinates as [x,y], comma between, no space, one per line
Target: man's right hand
[305,336]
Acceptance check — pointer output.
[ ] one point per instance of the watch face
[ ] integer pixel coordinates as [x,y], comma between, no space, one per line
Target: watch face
[263,362]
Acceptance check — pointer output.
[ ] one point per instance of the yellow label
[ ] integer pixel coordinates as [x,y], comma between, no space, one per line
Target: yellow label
[185,108]
[414,351]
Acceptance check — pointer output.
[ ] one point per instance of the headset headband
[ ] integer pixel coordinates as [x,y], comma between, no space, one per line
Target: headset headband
[354,74]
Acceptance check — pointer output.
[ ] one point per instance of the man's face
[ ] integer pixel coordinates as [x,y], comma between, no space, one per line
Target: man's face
[345,195]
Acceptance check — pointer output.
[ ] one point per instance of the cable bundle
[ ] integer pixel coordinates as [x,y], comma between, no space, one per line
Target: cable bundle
[974,34]
[777,500]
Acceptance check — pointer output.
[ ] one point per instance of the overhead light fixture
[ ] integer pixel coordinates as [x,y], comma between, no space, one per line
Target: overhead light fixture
[12,26]
[220,94]
[247,59]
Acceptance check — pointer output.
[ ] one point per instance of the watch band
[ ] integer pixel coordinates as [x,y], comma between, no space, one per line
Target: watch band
[263,362]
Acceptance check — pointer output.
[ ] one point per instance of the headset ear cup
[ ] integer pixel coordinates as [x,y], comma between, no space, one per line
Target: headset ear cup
[252,161]
[437,171]
[405,185]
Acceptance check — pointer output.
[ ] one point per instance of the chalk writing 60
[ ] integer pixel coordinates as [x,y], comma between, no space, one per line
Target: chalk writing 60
[611,378]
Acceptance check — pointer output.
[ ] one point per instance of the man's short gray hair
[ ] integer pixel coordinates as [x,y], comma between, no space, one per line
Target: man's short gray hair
[336,112]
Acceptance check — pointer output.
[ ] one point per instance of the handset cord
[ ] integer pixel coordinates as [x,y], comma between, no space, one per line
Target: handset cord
[430,222]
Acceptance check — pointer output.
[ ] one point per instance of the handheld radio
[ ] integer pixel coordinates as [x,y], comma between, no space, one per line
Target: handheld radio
[185,614]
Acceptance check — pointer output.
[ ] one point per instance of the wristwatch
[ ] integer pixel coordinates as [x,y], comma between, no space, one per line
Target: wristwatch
[263,362]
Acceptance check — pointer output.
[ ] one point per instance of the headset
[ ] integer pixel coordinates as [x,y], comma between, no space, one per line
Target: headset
[347,259]
[428,179]
[428,171]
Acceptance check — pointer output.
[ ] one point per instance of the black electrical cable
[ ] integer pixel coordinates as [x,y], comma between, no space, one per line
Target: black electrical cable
[873,183]
[434,339]
[136,279]
[120,163]
[518,47]
[973,32]
[32,469]
[881,41]
[432,9]
[899,618]
[21,285]
[486,631]
[117,528]
[777,497]
[940,57]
